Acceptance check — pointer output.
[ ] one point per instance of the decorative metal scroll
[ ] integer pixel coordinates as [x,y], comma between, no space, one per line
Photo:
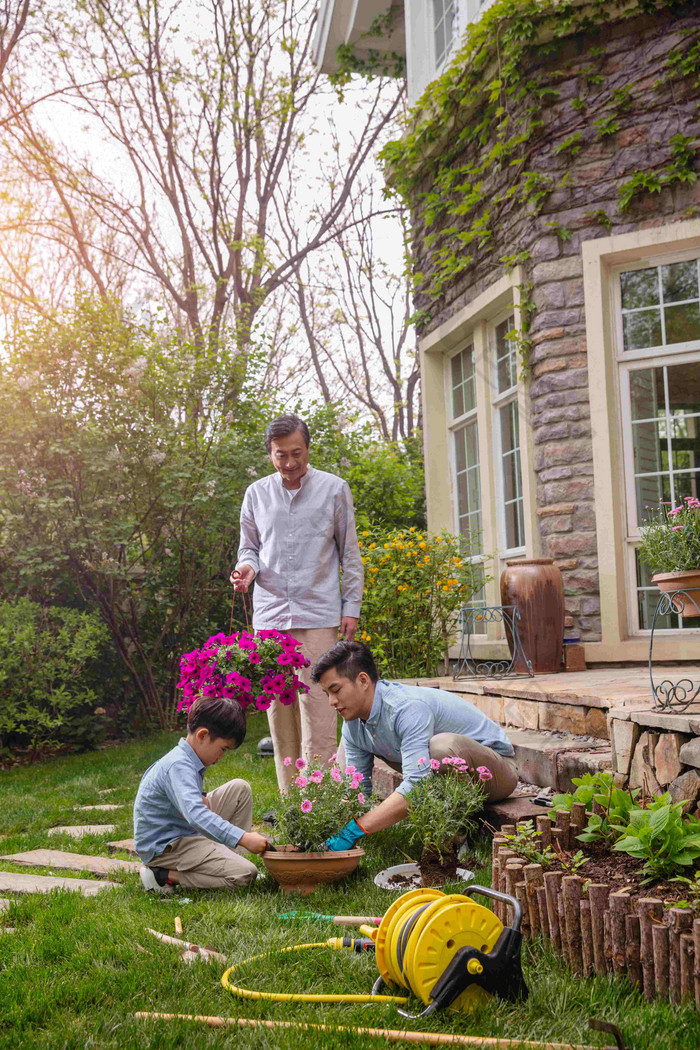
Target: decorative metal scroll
[470,666]
[668,695]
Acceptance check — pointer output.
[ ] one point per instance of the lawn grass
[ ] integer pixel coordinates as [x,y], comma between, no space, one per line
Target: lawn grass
[72,976]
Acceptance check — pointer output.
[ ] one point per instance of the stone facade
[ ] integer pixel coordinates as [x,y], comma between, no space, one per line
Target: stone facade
[628,54]
[658,751]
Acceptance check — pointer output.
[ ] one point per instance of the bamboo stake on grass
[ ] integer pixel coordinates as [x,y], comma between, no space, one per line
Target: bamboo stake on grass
[207,953]
[632,952]
[598,893]
[659,939]
[390,1035]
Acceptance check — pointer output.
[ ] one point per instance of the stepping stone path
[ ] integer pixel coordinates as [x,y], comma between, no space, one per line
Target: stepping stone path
[76,831]
[55,858]
[19,883]
[5,903]
[125,844]
[104,806]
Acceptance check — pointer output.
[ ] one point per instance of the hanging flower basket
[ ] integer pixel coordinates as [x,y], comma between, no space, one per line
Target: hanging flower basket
[249,668]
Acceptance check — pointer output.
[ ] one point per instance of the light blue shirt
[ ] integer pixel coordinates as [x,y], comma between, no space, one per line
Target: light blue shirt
[296,541]
[402,721]
[169,805]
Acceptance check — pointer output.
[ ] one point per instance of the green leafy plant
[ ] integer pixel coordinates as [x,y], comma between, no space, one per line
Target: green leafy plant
[671,539]
[527,843]
[662,837]
[321,800]
[693,899]
[599,788]
[442,804]
[572,863]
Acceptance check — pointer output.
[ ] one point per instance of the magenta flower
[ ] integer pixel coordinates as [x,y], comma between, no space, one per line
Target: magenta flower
[300,763]
[336,775]
[333,757]
[484,773]
[349,770]
[434,764]
[356,781]
[284,659]
[301,782]
[361,798]
[316,776]
[254,658]
[288,760]
[422,760]
[306,806]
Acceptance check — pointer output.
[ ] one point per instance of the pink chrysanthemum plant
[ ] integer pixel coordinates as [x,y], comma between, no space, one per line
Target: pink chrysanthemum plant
[249,668]
[670,538]
[441,806]
[320,801]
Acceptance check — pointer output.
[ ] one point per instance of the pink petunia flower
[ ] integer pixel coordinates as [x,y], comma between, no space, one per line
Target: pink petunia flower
[306,806]
[349,770]
[300,763]
[316,776]
[361,798]
[288,760]
[356,781]
[434,764]
[301,782]
[336,775]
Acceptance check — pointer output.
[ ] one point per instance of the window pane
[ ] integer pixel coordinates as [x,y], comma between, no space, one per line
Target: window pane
[639,288]
[506,359]
[680,281]
[514,525]
[647,393]
[471,438]
[463,389]
[651,492]
[461,450]
[683,388]
[458,401]
[456,370]
[473,489]
[682,323]
[648,442]
[641,330]
[510,477]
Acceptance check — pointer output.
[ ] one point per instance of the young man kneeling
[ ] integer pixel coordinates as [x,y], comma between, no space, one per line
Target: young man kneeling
[184,836]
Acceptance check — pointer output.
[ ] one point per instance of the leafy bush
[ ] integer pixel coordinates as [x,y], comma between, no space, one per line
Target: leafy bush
[415,585]
[527,843]
[319,802]
[671,540]
[442,803]
[661,836]
[46,655]
[599,788]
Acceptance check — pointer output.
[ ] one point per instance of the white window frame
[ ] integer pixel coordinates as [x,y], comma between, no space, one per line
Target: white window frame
[457,424]
[500,400]
[628,361]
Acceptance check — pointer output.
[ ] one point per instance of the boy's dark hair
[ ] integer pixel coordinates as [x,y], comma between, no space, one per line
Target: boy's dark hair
[223,718]
[348,658]
[284,425]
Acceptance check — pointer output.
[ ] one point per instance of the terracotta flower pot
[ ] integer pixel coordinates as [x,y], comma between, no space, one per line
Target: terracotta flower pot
[299,872]
[688,581]
[536,589]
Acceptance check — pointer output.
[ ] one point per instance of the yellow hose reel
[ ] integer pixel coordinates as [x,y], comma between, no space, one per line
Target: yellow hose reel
[446,950]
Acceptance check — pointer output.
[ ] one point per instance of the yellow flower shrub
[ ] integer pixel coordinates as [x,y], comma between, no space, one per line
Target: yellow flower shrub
[415,585]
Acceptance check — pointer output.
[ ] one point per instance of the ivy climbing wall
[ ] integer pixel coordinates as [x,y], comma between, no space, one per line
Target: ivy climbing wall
[558,123]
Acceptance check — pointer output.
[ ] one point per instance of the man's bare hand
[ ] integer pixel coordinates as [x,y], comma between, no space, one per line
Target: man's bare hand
[242,578]
[348,628]
[253,842]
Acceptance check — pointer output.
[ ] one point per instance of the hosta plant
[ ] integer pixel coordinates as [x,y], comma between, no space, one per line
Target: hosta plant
[616,804]
[320,801]
[661,836]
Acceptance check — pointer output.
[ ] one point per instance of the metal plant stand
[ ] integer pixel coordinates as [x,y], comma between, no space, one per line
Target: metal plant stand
[668,695]
[468,666]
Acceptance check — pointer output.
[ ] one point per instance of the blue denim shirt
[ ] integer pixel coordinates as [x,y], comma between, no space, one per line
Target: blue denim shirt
[169,805]
[402,721]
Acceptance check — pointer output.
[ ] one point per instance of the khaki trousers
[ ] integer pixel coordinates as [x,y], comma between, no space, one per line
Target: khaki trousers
[504,770]
[202,863]
[308,727]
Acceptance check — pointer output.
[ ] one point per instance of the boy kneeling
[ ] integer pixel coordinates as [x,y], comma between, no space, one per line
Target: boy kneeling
[184,836]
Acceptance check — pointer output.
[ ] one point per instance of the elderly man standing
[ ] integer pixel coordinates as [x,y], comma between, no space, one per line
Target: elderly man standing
[297,531]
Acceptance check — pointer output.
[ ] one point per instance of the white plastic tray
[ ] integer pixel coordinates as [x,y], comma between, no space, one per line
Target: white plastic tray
[411,871]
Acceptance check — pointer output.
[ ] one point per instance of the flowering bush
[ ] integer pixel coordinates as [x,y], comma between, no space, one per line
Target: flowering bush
[671,540]
[415,585]
[249,668]
[440,805]
[320,802]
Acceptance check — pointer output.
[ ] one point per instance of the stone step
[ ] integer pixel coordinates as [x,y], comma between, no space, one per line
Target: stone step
[77,831]
[553,759]
[17,882]
[56,858]
[127,845]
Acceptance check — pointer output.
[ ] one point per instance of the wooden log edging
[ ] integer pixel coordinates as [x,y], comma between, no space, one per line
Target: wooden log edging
[596,928]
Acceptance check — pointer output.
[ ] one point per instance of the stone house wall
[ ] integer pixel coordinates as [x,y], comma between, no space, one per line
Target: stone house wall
[628,54]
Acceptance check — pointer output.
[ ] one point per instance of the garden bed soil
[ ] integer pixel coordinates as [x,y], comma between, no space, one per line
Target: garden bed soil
[436,870]
[623,872]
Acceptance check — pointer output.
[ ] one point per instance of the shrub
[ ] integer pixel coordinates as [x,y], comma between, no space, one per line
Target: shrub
[441,804]
[415,585]
[46,655]
[660,835]
[615,803]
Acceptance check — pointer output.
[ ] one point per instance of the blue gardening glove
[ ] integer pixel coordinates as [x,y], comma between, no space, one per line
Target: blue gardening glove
[346,837]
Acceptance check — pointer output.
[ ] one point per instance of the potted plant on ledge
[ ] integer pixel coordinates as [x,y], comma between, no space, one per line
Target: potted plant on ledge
[441,808]
[671,548]
[320,801]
